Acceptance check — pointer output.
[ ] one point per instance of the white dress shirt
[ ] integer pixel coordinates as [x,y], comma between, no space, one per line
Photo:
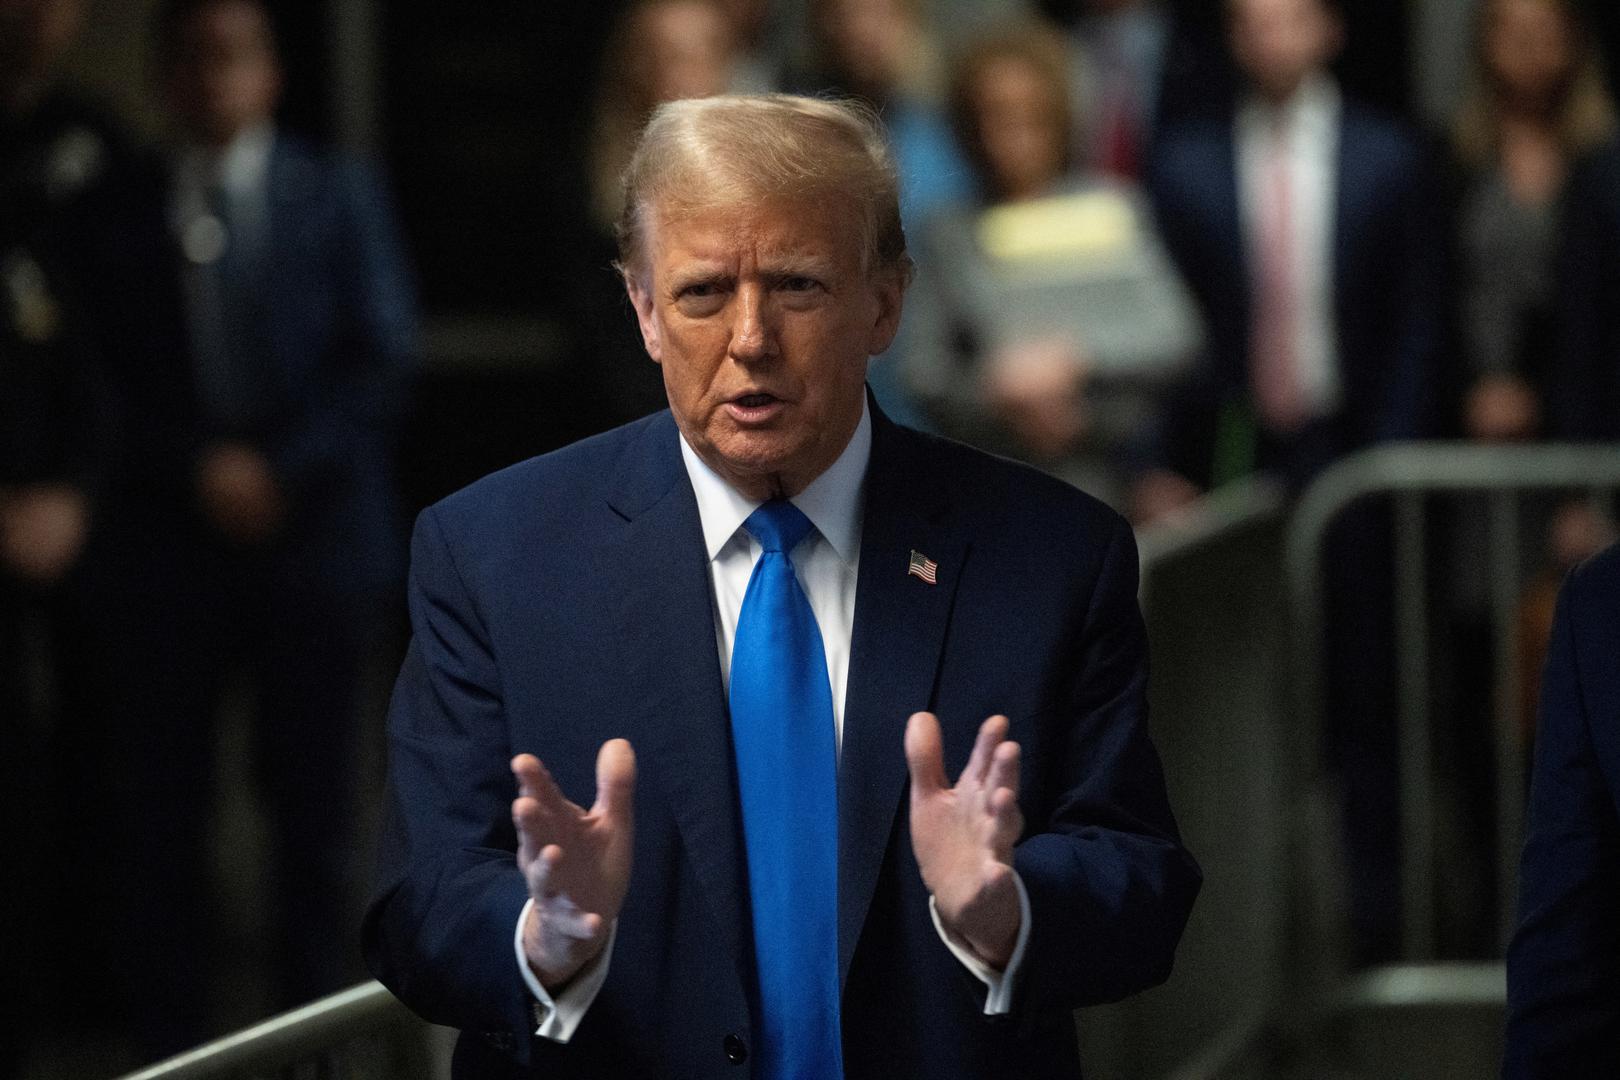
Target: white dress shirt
[825,562]
[1309,123]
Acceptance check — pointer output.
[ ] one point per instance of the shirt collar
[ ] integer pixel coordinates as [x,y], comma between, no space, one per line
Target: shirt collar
[240,168]
[832,501]
[1312,108]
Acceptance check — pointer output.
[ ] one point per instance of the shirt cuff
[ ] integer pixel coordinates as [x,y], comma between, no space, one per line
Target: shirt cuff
[998,1002]
[556,1017]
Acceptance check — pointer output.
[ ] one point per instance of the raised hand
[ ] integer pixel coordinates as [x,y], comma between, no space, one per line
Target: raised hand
[963,835]
[576,863]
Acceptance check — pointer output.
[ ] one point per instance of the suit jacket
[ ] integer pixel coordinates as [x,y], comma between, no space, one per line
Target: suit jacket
[566,600]
[1387,265]
[336,320]
[1564,961]
[1582,380]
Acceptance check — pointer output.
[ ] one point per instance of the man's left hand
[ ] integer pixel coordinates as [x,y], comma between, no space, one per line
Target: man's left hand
[963,836]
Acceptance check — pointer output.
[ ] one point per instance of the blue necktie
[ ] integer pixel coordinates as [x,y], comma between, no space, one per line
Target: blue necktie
[787,773]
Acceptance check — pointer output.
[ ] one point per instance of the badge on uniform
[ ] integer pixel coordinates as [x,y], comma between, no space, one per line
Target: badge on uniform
[923,567]
[35,315]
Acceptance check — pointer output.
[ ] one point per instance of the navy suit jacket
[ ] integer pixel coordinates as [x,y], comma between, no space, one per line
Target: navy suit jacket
[336,315]
[567,600]
[1388,262]
[1564,962]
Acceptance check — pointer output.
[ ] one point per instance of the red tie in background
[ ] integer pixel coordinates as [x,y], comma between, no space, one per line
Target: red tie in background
[1279,396]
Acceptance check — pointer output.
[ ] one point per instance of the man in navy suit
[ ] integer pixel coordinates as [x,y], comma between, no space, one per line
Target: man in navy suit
[1564,962]
[1303,221]
[258,323]
[581,618]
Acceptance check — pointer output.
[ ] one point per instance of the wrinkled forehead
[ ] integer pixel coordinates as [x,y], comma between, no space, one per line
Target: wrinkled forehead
[786,227]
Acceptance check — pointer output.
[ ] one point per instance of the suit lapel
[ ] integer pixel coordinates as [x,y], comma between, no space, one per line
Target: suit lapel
[899,630]
[670,671]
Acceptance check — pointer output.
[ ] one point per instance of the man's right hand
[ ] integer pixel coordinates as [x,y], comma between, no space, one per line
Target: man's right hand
[576,863]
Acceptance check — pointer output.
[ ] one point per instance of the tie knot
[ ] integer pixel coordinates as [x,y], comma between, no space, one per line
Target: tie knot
[778,525]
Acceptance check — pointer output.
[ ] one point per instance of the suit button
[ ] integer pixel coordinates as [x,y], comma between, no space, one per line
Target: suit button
[736,1049]
[500,1040]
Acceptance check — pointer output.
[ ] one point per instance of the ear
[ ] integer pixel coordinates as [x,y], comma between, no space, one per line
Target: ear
[641,299]
[889,291]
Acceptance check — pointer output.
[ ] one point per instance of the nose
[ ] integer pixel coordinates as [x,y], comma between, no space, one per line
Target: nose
[753,337]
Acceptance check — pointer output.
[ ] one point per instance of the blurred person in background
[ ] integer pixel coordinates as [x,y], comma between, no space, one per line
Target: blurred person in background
[1306,225]
[1137,65]
[264,318]
[59,153]
[660,50]
[1536,112]
[884,53]
[1538,108]
[1048,317]
[761,63]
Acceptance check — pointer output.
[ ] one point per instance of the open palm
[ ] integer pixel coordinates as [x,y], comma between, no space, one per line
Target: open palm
[576,862]
[963,834]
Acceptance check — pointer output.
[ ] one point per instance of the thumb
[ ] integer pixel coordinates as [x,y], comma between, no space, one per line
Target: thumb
[615,779]
[925,755]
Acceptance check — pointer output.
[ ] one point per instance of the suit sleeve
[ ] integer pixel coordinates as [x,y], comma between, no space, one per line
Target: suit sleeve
[1564,961]
[438,932]
[1110,885]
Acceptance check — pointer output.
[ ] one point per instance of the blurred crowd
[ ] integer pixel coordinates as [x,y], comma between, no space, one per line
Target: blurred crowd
[1155,255]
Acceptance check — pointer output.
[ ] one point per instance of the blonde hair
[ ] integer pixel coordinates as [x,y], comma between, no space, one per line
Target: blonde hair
[1585,116]
[738,149]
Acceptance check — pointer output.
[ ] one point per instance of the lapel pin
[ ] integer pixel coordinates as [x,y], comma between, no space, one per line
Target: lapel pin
[924,567]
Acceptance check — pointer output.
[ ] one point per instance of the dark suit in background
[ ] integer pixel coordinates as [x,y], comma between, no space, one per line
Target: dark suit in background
[325,321]
[1386,267]
[1387,321]
[566,601]
[1564,962]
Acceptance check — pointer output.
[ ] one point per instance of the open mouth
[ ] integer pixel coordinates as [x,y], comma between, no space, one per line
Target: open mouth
[753,409]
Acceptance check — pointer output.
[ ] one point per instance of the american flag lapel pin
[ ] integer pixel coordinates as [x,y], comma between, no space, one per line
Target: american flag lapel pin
[924,567]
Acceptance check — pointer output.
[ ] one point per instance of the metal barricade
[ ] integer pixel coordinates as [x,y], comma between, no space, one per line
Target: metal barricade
[1410,475]
[359,1033]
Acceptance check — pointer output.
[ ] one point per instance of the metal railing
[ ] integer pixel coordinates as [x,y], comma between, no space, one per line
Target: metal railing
[1409,474]
[316,1038]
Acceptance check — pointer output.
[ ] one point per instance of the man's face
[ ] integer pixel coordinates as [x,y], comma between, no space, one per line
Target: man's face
[224,78]
[1277,43]
[763,319]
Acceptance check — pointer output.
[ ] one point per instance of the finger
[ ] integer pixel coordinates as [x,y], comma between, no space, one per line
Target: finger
[1005,824]
[1003,772]
[527,770]
[924,754]
[991,732]
[541,874]
[615,780]
[529,822]
[535,782]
